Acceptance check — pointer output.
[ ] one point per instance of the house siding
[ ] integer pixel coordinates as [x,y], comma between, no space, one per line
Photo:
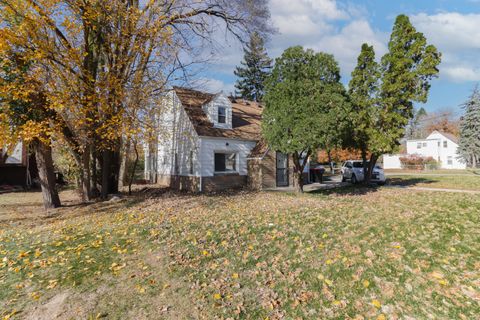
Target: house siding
[177,142]
[433,147]
[211,110]
[208,147]
[262,172]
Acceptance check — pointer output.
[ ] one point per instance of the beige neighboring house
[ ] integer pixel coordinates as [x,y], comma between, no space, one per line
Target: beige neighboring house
[212,142]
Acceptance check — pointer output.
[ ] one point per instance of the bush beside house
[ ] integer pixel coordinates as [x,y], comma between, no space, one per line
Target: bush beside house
[417,162]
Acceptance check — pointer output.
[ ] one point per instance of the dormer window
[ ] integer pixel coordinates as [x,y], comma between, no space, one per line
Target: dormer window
[222,115]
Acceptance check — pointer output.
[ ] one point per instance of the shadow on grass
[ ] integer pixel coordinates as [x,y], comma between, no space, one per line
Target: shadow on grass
[349,190]
[361,189]
[408,182]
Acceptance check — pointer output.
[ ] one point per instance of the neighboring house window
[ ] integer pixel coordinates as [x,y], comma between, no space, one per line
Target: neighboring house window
[225,162]
[419,145]
[424,144]
[438,143]
[191,162]
[445,144]
[450,161]
[222,115]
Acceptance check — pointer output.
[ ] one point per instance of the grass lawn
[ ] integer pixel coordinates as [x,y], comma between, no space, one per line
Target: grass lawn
[439,171]
[363,254]
[437,181]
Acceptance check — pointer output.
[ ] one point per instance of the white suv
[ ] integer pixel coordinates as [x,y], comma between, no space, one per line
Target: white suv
[353,170]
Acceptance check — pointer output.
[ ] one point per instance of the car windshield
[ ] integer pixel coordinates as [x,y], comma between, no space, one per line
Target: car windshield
[359,164]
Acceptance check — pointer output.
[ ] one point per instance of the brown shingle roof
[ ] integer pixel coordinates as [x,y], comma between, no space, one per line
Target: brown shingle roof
[449,136]
[246,116]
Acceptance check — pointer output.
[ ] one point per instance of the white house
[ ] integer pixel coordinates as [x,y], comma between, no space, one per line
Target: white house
[440,146]
[212,142]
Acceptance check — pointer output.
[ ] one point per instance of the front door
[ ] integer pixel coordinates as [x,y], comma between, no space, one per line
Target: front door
[282,169]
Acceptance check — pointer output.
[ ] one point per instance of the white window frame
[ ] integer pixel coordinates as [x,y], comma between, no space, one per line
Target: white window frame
[224,115]
[236,163]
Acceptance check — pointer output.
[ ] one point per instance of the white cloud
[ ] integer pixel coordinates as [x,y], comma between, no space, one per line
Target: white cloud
[450,30]
[341,28]
[317,8]
[345,45]
[461,74]
[213,85]
[457,36]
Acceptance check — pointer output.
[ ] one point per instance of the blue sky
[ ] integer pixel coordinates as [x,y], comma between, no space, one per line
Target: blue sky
[340,27]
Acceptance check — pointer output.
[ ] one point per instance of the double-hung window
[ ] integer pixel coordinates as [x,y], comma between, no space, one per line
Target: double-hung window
[225,162]
[445,144]
[222,115]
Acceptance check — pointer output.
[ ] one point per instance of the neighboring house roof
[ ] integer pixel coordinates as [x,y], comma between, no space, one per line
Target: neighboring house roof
[246,116]
[448,136]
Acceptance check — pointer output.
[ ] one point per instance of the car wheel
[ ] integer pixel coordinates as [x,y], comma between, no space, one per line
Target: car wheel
[344,179]
[354,179]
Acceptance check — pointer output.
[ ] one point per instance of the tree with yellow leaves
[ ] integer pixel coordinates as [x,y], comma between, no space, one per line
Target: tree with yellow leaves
[104,66]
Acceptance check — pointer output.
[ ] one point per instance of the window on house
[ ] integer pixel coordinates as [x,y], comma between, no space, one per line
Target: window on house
[450,161]
[225,162]
[419,145]
[424,144]
[438,143]
[445,144]
[222,115]
[191,162]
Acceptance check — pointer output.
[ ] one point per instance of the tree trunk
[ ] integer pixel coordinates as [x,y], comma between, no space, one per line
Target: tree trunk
[298,170]
[110,170]
[474,161]
[132,176]
[123,172]
[371,165]
[43,154]
[365,167]
[106,171]
[298,181]
[85,190]
[330,162]
[94,192]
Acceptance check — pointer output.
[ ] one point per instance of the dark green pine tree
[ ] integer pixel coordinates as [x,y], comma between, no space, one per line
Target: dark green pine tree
[253,70]
[407,69]
[363,90]
[469,144]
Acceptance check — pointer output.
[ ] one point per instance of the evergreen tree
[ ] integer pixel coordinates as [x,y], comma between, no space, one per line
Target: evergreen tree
[304,105]
[254,70]
[469,144]
[363,90]
[406,71]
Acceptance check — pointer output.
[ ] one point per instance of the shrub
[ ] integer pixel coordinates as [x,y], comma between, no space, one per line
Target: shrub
[417,162]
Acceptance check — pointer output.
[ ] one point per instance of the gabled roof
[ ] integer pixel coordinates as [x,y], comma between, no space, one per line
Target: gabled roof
[246,116]
[447,135]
